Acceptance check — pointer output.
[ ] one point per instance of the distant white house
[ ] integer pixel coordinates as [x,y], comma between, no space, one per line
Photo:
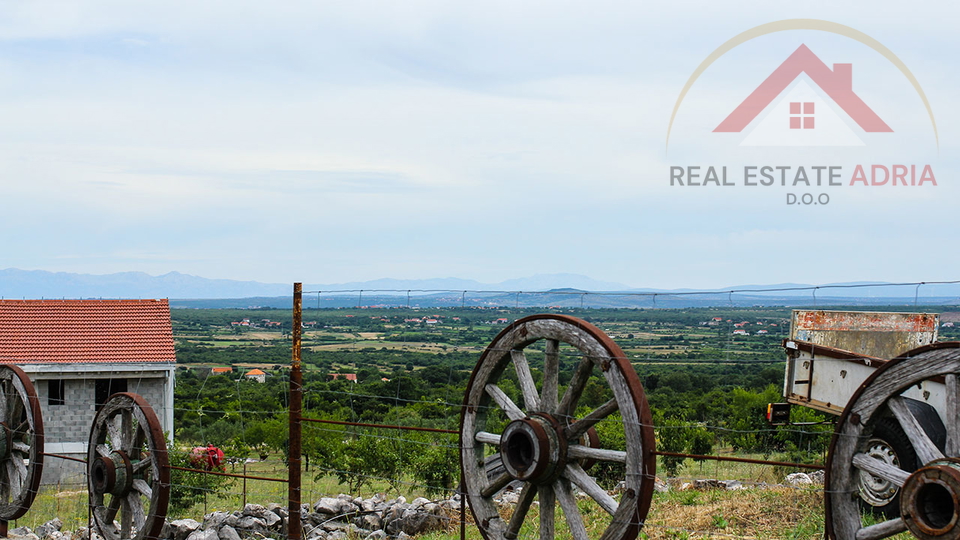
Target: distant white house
[256,375]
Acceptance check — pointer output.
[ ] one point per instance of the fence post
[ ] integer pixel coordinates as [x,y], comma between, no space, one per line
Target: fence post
[294,527]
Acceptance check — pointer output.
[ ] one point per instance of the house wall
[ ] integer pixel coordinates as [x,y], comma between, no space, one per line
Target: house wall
[67,426]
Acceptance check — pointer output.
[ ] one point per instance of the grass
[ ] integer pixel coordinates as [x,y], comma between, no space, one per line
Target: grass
[774,512]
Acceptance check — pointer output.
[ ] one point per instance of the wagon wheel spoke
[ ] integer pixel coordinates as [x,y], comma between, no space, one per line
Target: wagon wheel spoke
[882,530]
[114,435]
[600,454]
[5,389]
[487,438]
[111,511]
[126,516]
[575,389]
[496,485]
[12,479]
[126,430]
[15,405]
[568,503]
[141,465]
[103,450]
[531,399]
[144,488]
[926,450]
[548,501]
[551,377]
[137,515]
[520,511]
[952,414]
[880,469]
[581,479]
[503,400]
[576,430]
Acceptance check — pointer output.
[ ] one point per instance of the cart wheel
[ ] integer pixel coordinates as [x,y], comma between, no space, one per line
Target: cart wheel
[928,497]
[541,440]
[128,472]
[21,443]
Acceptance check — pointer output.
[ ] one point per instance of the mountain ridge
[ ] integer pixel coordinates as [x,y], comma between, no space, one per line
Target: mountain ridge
[17,283]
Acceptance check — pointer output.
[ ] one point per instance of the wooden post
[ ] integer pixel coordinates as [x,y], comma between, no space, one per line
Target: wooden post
[294,527]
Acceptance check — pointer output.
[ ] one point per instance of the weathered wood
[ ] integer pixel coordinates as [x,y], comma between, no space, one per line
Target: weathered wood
[551,375]
[487,438]
[509,407]
[924,447]
[952,414]
[846,460]
[574,431]
[496,485]
[575,389]
[880,469]
[143,487]
[882,530]
[484,397]
[531,400]
[20,411]
[600,454]
[548,502]
[578,476]
[568,503]
[520,512]
[127,424]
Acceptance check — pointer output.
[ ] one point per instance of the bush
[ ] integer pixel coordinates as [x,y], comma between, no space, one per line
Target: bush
[188,488]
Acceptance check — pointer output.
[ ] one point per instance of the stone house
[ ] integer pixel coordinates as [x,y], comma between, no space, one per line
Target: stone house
[78,353]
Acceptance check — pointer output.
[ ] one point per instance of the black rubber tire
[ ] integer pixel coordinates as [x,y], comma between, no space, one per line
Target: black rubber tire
[889,431]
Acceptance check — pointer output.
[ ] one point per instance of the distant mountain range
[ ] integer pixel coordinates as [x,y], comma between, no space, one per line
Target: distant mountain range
[540,290]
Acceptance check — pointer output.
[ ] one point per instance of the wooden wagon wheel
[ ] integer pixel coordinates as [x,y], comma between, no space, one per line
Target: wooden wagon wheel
[539,438]
[128,472]
[930,496]
[21,443]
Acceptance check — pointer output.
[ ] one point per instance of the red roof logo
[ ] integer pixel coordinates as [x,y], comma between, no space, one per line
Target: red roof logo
[836,83]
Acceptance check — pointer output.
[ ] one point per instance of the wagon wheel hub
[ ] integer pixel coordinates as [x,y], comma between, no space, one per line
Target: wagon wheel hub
[930,503]
[112,474]
[534,449]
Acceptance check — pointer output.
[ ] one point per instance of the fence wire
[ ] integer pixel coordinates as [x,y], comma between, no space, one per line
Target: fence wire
[384,392]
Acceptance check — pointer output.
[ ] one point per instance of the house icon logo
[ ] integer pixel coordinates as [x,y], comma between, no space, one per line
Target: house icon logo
[804,103]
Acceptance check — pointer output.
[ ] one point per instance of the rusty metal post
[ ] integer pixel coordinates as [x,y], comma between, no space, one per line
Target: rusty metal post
[3,529]
[294,527]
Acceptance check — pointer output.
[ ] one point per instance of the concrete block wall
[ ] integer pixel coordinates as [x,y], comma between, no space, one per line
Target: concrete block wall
[67,427]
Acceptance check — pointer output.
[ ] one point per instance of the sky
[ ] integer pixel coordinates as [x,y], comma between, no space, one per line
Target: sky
[328,142]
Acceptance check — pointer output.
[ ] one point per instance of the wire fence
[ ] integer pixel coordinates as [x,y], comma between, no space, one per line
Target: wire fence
[381,399]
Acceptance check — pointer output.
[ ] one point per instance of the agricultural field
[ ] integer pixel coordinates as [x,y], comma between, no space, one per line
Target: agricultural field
[708,375]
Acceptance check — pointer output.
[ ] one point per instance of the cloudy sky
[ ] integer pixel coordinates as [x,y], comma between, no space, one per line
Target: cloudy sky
[340,141]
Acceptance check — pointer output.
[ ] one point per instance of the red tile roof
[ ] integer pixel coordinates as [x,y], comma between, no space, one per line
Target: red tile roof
[81,331]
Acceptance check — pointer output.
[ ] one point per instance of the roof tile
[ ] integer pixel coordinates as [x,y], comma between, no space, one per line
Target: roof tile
[85,331]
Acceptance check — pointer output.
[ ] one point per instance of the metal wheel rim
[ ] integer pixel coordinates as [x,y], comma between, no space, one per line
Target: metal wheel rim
[871,486]
[126,430]
[938,362]
[599,355]
[20,471]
